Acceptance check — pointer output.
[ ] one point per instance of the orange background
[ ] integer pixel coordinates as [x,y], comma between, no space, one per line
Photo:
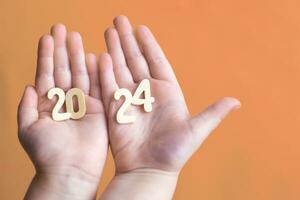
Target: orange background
[247,49]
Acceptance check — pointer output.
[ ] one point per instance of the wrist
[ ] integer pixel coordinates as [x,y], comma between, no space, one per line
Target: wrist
[67,183]
[149,173]
[144,184]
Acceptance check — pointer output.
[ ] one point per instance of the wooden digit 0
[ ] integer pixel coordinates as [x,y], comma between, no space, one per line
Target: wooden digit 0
[81,103]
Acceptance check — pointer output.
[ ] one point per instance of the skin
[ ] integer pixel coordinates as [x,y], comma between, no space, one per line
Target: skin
[150,152]
[68,155]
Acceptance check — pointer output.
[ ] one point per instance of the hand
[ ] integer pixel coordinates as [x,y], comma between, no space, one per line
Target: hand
[164,139]
[71,151]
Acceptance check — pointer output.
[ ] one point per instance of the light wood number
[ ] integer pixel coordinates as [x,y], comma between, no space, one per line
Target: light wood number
[68,98]
[144,87]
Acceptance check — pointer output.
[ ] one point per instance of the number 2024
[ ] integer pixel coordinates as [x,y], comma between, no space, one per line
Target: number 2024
[144,87]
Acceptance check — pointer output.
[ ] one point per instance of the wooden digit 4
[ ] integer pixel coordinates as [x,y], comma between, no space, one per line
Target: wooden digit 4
[144,87]
[68,98]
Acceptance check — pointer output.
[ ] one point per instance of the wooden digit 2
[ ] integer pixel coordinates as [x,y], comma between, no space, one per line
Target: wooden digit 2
[121,117]
[68,98]
[144,87]
[60,102]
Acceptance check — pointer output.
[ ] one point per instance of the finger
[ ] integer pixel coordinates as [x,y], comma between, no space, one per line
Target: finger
[134,58]
[44,72]
[27,111]
[122,73]
[62,73]
[107,79]
[159,66]
[91,63]
[80,78]
[205,122]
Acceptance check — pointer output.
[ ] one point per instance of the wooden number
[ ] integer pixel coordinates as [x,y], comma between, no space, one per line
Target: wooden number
[60,102]
[68,98]
[81,103]
[121,118]
[143,87]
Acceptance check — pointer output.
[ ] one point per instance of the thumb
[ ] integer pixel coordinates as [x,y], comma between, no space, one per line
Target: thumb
[205,122]
[27,111]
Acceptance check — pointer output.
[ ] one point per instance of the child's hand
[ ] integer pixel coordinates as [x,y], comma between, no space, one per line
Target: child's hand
[155,147]
[68,155]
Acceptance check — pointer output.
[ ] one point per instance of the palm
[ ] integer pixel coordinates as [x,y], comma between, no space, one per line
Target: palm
[83,141]
[80,144]
[166,137]
[160,135]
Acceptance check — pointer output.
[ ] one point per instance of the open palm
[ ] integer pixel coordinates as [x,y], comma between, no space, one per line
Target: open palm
[64,146]
[166,137]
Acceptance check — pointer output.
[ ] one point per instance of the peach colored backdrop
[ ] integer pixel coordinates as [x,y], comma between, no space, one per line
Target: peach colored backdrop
[247,49]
